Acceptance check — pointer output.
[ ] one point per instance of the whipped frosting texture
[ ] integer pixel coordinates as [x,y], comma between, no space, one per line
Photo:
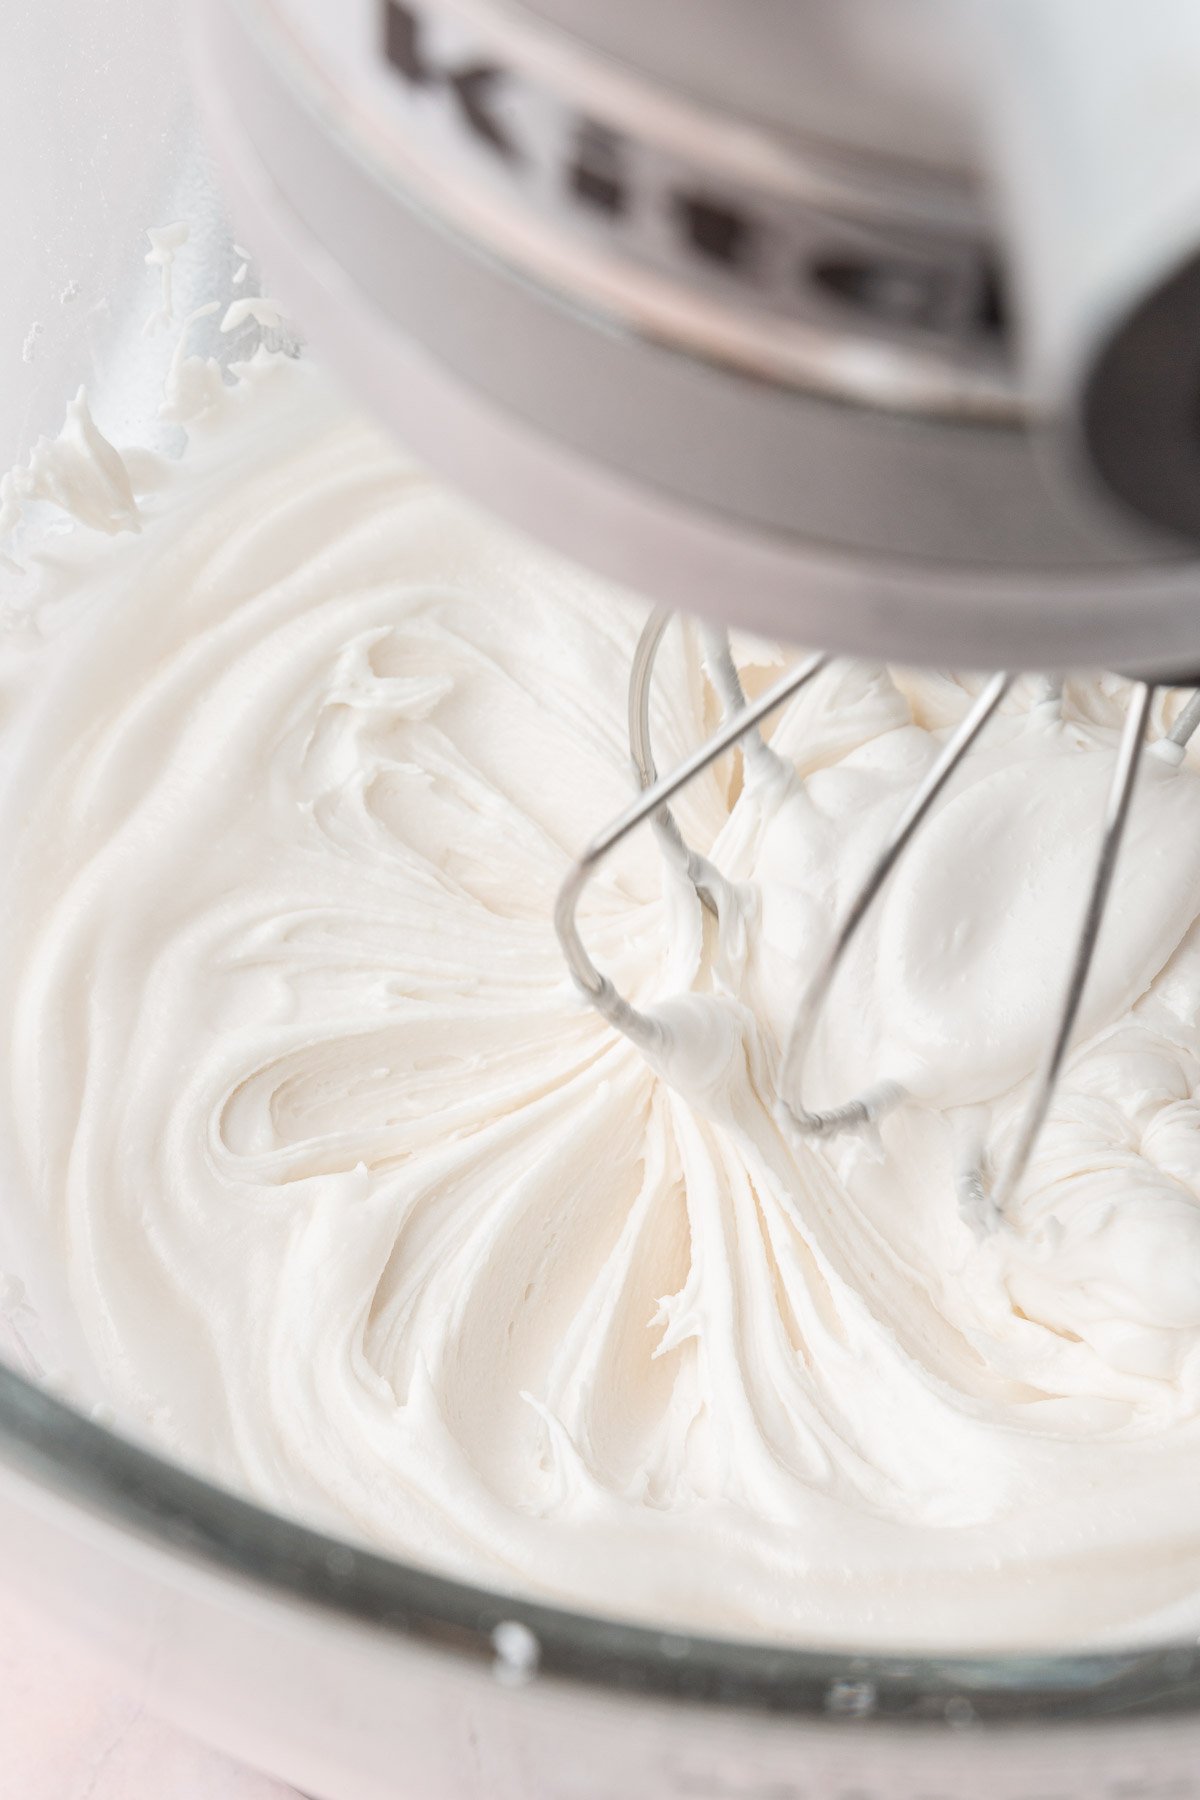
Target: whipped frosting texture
[363,1210]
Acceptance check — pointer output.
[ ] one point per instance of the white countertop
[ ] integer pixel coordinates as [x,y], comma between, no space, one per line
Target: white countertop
[68,1730]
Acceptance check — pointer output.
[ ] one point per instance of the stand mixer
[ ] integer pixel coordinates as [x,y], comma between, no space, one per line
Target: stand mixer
[915,532]
[871,326]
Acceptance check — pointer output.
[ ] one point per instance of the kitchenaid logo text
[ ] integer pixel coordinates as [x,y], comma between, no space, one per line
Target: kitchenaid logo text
[595,172]
[542,150]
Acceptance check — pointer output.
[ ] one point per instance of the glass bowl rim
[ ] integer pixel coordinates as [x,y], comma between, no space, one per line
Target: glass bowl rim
[143,1493]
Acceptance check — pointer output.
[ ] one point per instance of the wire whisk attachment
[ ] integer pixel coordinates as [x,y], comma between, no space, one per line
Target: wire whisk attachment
[741,722]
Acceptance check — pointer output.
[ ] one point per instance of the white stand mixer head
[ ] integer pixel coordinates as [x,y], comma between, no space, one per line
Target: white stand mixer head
[761,363]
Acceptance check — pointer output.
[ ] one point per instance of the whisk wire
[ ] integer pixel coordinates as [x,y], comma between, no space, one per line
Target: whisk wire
[866,1107]
[639,1026]
[675,847]
[1129,754]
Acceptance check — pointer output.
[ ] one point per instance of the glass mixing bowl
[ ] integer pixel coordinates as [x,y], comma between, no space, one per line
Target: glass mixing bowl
[350,1674]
